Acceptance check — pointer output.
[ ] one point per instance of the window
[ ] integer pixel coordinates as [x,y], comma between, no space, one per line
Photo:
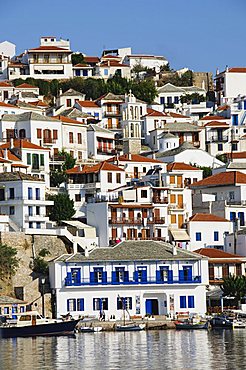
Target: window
[144,169]
[105,72]
[141,274]
[80,304]
[220,147]
[100,304]
[71,304]
[39,133]
[234,118]
[144,194]
[231,195]
[169,100]
[79,138]
[118,178]
[55,134]
[198,236]
[176,100]
[110,177]
[182,301]
[37,191]
[77,72]
[38,225]
[234,146]
[191,301]
[216,236]
[77,197]
[30,225]
[232,216]
[42,159]
[124,303]
[70,138]
[29,159]
[11,193]
[30,211]
[69,103]
[35,161]
[120,275]
[98,275]
[2,194]
[162,100]
[22,133]
[11,210]
[37,211]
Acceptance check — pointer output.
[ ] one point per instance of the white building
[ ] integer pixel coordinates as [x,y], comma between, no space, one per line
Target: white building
[170,95]
[22,197]
[198,227]
[229,84]
[68,99]
[100,142]
[89,107]
[149,61]
[152,277]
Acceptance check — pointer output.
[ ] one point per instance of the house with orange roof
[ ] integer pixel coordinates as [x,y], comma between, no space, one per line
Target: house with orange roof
[222,194]
[208,231]
[6,91]
[217,137]
[111,111]
[100,142]
[108,68]
[89,107]
[6,108]
[67,99]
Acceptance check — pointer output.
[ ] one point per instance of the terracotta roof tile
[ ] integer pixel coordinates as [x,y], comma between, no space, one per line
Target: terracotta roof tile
[181,166]
[212,118]
[39,103]
[154,113]
[177,115]
[26,86]
[133,158]
[22,143]
[68,120]
[5,84]
[89,59]
[102,166]
[11,156]
[222,179]
[207,217]
[216,124]
[216,253]
[237,69]
[2,104]
[87,103]
[49,48]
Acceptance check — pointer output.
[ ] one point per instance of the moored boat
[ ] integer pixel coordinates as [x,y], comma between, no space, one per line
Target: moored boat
[191,326]
[130,327]
[31,323]
[90,329]
[221,322]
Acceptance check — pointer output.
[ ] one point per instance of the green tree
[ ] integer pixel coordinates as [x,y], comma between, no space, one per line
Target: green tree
[63,208]
[8,261]
[234,286]
[222,157]
[77,58]
[59,176]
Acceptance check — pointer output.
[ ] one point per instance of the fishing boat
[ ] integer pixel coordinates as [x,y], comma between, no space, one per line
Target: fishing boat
[238,324]
[90,329]
[191,326]
[129,326]
[221,322]
[32,324]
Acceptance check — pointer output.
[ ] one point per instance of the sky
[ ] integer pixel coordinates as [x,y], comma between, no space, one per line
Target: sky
[199,34]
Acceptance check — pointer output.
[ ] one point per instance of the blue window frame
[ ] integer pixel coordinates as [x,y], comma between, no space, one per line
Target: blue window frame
[98,275]
[191,301]
[71,304]
[29,190]
[234,119]
[162,100]
[77,72]
[80,304]
[182,301]
[30,211]
[38,225]
[100,304]
[176,100]
[241,218]
[96,115]
[105,72]
[76,275]
[124,303]
[37,191]
[220,147]
[216,236]
[163,274]
[198,236]
[244,105]
[120,275]
[185,274]
[140,275]
[232,216]
[85,72]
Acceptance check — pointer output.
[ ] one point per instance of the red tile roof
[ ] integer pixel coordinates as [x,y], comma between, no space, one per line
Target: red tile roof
[2,104]
[38,103]
[49,48]
[87,103]
[113,63]
[222,179]
[154,113]
[81,65]
[216,253]
[5,84]
[181,166]
[22,143]
[88,59]
[207,217]
[216,123]
[68,120]
[223,107]
[10,155]
[237,69]
[102,166]
[19,165]
[134,158]
[26,86]
[212,118]
[177,115]
[236,155]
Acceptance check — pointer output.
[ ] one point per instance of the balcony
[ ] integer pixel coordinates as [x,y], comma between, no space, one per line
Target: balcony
[49,141]
[160,200]
[69,281]
[106,151]
[126,221]
[115,113]
[216,138]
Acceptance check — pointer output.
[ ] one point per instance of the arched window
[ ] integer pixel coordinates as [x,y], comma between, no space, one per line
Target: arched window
[131,112]
[22,133]
[136,113]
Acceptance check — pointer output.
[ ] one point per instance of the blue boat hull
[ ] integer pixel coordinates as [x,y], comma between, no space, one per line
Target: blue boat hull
[129,328]
[59,328]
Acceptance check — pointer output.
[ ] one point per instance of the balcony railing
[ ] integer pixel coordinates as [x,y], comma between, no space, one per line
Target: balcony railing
[48,140]
[137,221]
[69,281]
[214,139]
[160,200]
[113,113]
[106,151]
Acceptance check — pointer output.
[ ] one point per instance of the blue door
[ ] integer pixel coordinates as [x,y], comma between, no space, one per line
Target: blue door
[187,273]
[148,306]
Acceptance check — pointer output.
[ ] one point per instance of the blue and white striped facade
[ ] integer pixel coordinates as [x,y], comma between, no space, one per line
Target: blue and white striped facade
[149,286]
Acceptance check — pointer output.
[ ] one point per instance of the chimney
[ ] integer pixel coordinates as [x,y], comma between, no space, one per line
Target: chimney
[129,156]
[5,153]
[11,143]
[174,249]
[60,92]
[86,252]
[108,63]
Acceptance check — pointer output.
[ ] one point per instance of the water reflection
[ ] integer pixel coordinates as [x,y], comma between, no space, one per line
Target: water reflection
[147,350]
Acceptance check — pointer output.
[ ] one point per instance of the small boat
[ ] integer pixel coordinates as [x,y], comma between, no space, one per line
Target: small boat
[238,324]
[221,322]
[130,327]
[191,326]
[32,324]
[90,329]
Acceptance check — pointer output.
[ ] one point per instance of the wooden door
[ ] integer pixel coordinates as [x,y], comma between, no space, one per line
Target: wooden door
[114,233]
[131,214]
[114,215]
[135,173]
[144,234]
[172,179]
[211,272]
[180,220]
[173,199]
[110,123]
[179,181]
[129,234]
[173,219]
[180,200]
[157,214]
[135,234]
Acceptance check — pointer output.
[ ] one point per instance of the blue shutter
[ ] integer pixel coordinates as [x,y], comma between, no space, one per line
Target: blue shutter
[67,305]
[135,276]
[104,277]
[181,275]
[126,275]
[118,303]
[148,306]
[232,216]
[69,278]
[114,277]
[144,276]
[158,276]
[191,301]
[183,301]
[190,273]
[170,276]
[29,193]
[92,277]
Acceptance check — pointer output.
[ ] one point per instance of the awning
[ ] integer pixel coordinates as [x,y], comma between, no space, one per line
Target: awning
[180,235]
